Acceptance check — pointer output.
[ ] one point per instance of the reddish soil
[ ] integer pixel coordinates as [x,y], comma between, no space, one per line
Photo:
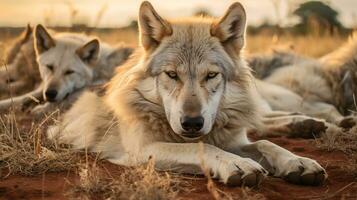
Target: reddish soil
[340,185]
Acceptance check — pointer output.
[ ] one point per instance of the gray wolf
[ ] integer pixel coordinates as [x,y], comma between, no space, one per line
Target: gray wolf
[185,99]
[324,88]
[20,70]
[69,62]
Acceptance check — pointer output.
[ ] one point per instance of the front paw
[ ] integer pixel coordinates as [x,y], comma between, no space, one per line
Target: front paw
[39,109]
[307,128]
[348,122]
[42,109]
[304,171]
[235,171]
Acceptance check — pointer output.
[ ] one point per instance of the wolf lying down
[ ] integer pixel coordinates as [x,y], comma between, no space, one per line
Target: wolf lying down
[187,84]
[67,62]
[326,87]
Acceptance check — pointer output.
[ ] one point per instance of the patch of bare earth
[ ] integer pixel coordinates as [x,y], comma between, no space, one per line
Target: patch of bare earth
[345,142]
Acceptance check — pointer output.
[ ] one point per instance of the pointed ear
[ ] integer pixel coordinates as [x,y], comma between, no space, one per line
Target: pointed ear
[13,52]
[26,35]
[230,29]
[43,40]
[152,27]
[88,53]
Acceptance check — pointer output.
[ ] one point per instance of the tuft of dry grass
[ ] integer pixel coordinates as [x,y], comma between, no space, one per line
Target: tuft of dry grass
[345,142]
[139,183]
[28,152]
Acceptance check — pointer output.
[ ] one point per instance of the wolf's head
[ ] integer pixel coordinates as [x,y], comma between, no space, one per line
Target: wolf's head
[189,64]
[65,63]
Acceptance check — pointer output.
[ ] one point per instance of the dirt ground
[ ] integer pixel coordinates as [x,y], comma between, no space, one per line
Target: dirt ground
[340,185]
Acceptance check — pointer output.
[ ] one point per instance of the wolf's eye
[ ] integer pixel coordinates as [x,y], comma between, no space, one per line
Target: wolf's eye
[68,72]
[172,74]
[211,75]
[50,67]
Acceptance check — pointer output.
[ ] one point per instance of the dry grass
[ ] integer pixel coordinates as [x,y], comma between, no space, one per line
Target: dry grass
[26,151]
[139,183]
[345,142]
[309,45]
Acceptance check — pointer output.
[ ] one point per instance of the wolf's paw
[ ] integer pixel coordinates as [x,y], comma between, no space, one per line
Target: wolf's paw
[240,171]
[307,128]
[304,171]
[348,122]
[40,109]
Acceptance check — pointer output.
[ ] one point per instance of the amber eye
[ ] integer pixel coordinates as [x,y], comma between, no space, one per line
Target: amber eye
[68,72]
[50,67]
[211,75]
[172,74]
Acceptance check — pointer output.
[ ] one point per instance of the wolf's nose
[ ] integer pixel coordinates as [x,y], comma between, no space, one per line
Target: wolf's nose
[192,124]
[51,94]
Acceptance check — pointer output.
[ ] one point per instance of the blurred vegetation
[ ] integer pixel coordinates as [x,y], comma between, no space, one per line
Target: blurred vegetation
[315,17]
[318,24]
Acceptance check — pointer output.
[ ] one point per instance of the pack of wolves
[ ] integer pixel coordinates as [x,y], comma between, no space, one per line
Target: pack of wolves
[186,97]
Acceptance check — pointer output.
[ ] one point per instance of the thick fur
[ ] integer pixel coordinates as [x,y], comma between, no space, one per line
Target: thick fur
[264,64]
[326,87]
[189,68]
[67,63]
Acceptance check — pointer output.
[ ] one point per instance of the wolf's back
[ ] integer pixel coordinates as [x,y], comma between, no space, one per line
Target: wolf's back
[90,125]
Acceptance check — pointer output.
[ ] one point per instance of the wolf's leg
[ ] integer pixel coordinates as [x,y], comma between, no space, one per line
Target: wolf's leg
[282,163]
[62,105]
[188,157]
[293,124]
[17,85]
[282,99]
[329,113]
[20,100]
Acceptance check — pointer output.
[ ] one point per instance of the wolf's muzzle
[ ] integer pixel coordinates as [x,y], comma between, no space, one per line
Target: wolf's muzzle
[192,125]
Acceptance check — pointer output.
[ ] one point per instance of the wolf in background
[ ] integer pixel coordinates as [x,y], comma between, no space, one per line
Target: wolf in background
[326,87]
[68,62]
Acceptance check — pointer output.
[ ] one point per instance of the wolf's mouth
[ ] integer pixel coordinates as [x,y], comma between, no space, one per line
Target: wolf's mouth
[191,135]
[66,96]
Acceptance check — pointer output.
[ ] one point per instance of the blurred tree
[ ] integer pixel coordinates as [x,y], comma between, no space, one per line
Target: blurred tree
[202,12]
[134,24]
[317,17]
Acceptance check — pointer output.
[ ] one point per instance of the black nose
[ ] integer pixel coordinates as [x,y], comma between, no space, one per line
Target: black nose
[51,94]
[192,124]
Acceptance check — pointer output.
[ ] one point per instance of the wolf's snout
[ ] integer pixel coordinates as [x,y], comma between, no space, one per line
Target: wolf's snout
[51,94]
[192,124]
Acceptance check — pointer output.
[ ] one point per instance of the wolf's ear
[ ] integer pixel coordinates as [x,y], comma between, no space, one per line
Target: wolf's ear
[26,35]
[152,27]
[230,29]
[88,53]
[43,40]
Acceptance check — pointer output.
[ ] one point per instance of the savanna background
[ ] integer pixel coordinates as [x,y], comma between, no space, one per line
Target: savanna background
[33,168]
